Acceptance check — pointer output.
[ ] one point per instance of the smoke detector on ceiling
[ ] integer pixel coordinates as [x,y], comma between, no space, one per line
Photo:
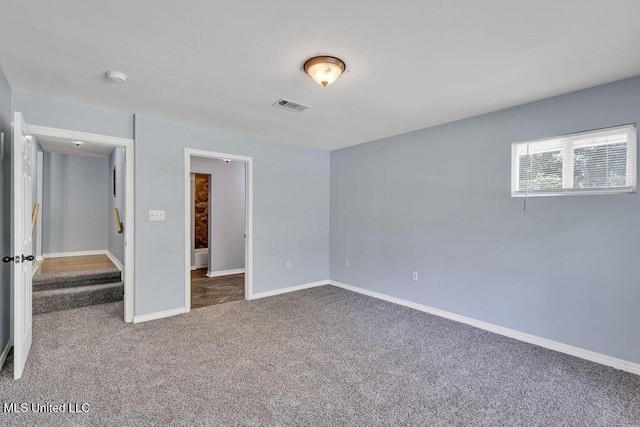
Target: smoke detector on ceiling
[290,105]
[117,76]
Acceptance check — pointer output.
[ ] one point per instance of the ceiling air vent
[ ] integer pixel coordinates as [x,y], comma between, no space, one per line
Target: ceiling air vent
[290,105]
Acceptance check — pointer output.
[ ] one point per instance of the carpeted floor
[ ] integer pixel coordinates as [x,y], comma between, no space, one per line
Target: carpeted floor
[322,356]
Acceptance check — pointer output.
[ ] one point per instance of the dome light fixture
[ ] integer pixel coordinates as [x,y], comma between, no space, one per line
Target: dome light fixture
[324,70]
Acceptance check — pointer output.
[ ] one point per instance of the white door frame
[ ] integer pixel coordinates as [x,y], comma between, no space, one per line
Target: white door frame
[127,144]
[248,195]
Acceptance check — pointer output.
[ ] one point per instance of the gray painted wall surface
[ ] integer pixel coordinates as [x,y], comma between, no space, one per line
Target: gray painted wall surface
[437,201]
[115,240]
[226,212]
[75,203]
[38,231]
[34,191]
[5,211]
[291,215]
[193,220]
[45,111]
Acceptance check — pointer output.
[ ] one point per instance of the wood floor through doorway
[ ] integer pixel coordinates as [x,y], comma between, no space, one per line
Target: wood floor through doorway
[207,291]
[74,263]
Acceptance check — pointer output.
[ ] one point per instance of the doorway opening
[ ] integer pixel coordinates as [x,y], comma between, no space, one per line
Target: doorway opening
[218,222]
[83,242]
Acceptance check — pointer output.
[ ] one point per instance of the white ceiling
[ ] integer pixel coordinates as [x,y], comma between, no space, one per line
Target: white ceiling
[411,64]
[66,146]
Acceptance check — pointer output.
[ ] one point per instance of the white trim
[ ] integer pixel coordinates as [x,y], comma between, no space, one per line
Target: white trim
[129,243]
[35,268]
[74,253]
[115,260]
[5,352]
[575,192]
[248,258]
[200,258]
[39,258]
[289,289]
[224,272]
[592,356]
[159,315]
[82,136]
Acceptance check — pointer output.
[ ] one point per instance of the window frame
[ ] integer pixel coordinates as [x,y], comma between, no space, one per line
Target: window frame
[567,143]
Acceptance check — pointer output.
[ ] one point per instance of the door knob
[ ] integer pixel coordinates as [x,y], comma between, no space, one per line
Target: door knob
[28,258]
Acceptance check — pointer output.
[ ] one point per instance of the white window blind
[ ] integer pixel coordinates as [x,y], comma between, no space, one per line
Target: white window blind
[594,162]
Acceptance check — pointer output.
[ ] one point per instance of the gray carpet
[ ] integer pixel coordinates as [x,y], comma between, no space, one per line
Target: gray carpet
[67,279]
[323,356]
[73,289]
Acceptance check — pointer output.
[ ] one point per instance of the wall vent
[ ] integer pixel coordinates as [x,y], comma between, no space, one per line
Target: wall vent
[290,105]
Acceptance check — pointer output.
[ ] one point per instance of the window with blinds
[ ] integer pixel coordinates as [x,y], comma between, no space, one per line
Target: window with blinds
[594,162]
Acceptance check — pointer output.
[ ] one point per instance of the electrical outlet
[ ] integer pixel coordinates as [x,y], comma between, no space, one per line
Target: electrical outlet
[289,264]
[346,262]
[415,276]
[156,215]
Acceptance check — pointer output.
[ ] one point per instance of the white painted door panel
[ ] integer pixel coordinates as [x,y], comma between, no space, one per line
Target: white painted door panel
[22,244]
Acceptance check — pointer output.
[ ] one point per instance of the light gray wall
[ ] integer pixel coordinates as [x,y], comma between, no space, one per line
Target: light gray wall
[57,113]
[291,213]
[38,231]
[291,194]
[437,201]
[5,211]
[226,212]
[115,240]
[75,203]
[35,167]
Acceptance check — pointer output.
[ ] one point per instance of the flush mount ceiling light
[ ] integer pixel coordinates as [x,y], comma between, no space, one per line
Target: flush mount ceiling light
[116,76]
[324,70]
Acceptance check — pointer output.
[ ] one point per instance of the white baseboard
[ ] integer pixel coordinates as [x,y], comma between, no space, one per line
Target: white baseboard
[287,290]
[224,272]
[201,258]
[592,356]
[77,253]
[5,352]
[193,267]
[159,315]
[115,260]
[39,258]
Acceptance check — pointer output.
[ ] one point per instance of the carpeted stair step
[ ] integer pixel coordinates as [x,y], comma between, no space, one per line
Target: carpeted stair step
[74,297]
[43,282]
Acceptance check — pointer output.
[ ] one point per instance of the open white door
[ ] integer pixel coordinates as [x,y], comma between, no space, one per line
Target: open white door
[22,246]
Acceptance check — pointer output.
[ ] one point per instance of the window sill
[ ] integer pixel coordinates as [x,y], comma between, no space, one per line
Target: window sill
[576,192]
